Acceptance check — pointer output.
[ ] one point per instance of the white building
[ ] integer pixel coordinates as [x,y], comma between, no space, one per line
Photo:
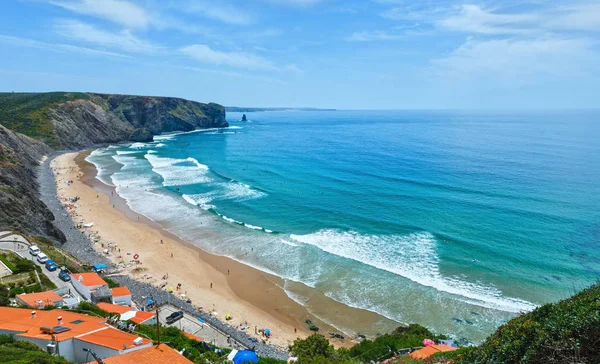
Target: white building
[86,283]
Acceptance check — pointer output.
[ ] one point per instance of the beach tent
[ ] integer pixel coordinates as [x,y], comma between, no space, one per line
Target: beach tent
[428,342]
[245,356]
[267,332]
[97,267]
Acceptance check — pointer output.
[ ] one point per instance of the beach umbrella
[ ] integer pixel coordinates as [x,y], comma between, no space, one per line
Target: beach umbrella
[245,356]
[170,289]
[428,342]
[267,332]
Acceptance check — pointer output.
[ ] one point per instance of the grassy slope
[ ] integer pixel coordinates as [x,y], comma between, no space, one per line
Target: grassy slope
[26,113]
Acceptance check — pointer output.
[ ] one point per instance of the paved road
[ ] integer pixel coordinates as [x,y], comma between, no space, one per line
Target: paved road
[191,325]
[20,245]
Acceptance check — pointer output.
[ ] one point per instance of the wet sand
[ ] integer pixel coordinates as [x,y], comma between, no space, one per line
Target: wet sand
[249,295]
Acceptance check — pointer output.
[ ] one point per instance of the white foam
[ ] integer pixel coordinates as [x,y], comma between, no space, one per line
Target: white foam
[159,145]
[287,242]
[412,256]
[175,172]
[253,227]
[125,152]
[138,145]
[164,137]
[240,192]
[200,200]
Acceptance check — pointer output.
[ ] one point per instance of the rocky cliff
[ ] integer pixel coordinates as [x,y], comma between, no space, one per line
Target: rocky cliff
[33,125]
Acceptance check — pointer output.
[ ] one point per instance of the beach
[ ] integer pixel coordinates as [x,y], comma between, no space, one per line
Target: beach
[219,285]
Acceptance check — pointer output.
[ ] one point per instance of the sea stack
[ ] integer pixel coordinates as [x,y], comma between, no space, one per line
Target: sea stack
[244,117]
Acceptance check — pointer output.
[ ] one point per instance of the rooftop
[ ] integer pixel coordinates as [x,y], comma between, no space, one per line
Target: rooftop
[155,354]
[112,338]
[88,279]
[191,336]
[48,298]
[141,316]
[24,324]
[109,307]
[120,292]
[428,351]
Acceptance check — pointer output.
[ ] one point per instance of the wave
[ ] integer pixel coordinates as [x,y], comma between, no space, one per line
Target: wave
[178,172]
[159,145]
[241,223]
[238,191]
[411,256]
[125,152]
[200,200]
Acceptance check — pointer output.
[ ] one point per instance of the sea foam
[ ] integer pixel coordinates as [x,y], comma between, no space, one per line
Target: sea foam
[178,172]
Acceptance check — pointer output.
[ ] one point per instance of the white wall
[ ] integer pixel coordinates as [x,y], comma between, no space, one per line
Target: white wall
[85,291]
[101,351]
[122,300]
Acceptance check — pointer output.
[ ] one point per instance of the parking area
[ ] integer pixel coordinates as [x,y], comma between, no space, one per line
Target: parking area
[190,324]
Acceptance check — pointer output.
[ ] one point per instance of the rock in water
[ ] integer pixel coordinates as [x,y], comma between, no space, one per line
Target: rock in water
[244,117]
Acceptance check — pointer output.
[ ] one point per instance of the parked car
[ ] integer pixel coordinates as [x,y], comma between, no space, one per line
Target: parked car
[50,265]
[42,258]
[174,317]
[64,274]
[34,250]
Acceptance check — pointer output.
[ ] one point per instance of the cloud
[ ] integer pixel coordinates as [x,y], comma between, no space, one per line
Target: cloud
[472,18]
[217,10]
[520,59]
[123,40]
[121,12]
[395,33]
[204,54]
[295,2]
[56,47]
[585,17]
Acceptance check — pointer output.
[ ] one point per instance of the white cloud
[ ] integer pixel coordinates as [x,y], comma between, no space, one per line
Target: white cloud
[576,17]
[472,18]
[217,10]
[398,32]
[121,12]
[56,47]
[204,54]
[520,59]
[123,40]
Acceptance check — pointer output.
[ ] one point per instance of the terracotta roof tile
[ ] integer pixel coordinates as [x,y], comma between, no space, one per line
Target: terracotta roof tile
[155,354]
[192,336]
[88,279]
[141,316]
[111,338]
[109,307]
[428,351]
[120,292]
[48,298]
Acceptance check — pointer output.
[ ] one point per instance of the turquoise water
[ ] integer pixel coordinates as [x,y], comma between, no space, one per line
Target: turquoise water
[457,220]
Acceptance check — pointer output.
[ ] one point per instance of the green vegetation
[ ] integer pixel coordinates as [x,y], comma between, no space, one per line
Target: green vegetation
[22,352]
[28,113]
[185,108]
[196,351]
[87,308]
[316,348]
[58,256]
[111,283]
[16,263]
[7,262]
[563,332]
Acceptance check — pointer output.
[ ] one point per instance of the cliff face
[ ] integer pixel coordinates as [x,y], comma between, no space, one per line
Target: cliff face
[76,120]
[20,207]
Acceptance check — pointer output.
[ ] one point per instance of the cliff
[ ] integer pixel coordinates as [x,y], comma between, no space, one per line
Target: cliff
[33,125]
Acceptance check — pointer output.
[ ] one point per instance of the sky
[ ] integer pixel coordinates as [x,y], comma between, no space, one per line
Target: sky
[345,54]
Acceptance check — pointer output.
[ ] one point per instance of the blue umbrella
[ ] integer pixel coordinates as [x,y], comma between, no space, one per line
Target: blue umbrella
[245,356]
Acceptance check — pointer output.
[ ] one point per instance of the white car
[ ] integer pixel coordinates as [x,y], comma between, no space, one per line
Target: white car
[34,250]
[42,258]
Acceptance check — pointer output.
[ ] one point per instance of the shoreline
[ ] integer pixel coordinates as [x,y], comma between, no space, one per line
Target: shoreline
[246,293]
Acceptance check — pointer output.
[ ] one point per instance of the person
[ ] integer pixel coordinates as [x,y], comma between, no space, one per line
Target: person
[211,285]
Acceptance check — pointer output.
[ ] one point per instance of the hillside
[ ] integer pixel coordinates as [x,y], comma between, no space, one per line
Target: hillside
[66,120]
[33,125]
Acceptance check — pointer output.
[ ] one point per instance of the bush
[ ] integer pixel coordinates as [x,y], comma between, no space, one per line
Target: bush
[23,352]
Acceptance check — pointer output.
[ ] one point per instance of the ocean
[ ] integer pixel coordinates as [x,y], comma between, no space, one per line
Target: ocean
[455,220]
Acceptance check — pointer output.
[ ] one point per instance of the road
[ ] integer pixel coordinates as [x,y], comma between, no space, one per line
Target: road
[18,244]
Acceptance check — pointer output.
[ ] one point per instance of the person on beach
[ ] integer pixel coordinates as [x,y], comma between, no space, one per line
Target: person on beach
[211,285]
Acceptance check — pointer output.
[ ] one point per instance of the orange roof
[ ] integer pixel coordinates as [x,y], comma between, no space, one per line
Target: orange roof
[120,292]
[112,338]
[191,336]
[20,321]
[48,298]
[155,354]
[428,351]
[88,279]
[141,316]
[109,307]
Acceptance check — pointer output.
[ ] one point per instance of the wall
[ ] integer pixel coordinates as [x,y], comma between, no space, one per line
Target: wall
[122,300]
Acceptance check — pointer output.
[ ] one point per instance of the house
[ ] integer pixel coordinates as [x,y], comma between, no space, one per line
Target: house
[428,351]
[68,334]
[129,313]
[86,283]
[39,300]
[155,354]
[121,295]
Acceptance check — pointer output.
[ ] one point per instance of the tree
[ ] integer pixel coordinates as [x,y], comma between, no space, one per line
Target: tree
[315,349]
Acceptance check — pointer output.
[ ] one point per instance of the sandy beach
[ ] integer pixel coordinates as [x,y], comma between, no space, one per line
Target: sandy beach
[216,284]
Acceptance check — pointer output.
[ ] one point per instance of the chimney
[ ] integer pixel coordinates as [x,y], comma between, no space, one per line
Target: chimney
[32,314]
[60,320]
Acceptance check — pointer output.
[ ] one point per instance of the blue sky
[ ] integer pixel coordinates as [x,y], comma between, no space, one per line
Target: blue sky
[378,54]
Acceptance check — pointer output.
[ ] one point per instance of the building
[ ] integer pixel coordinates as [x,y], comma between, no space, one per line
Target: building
[86,283]
[428,351]
[144,318]
[121,295]
[68,334]
[156,354]
[129,313]
[39,300]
